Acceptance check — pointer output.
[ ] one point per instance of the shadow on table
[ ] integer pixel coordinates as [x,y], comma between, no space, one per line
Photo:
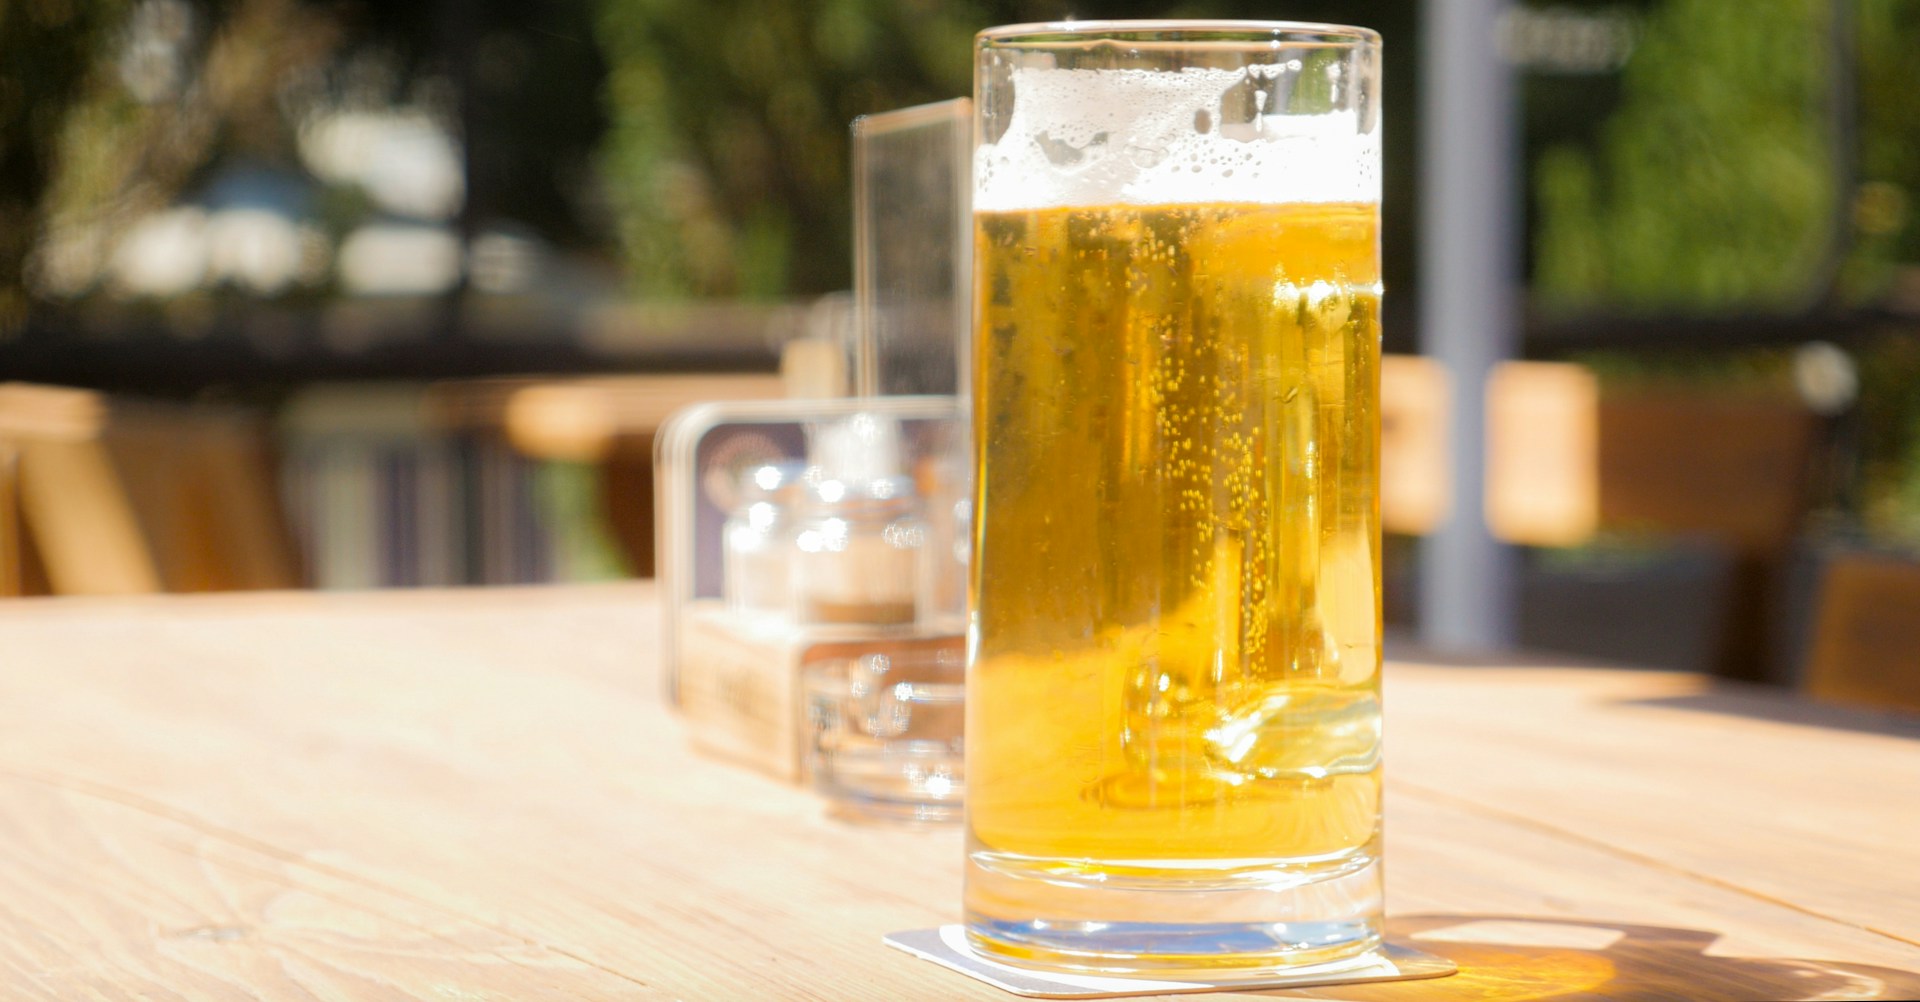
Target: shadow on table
[1506,958]
[1779,707]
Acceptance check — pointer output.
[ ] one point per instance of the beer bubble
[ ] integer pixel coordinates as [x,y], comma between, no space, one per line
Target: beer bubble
[1146,156]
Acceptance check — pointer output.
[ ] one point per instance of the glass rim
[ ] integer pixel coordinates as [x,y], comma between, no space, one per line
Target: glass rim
[1179,33]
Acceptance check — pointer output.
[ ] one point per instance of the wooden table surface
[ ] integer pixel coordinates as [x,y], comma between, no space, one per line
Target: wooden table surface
[480,795]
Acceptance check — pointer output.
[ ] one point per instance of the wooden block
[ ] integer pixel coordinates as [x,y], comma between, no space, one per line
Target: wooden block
[741,690]
[1866,641]
[1543,432]
[741,693]
[1415,471]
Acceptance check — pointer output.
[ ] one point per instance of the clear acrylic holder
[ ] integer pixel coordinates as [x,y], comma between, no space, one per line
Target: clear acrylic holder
[912,252]
[743,684]
[740,680]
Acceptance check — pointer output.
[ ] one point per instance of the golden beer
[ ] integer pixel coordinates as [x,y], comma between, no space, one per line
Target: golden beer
[1173,696]
[1175,677]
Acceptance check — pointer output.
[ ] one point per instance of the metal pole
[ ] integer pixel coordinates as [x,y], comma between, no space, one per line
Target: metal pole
[1469,266]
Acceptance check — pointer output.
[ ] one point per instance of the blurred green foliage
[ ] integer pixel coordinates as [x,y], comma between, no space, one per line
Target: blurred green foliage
[1885,224]
[133,102]
[1889,439]
[713,160]
[1714,185]
[704,143]
[727,146]
[46,58]
[139,105]
[727,150]
[1765,372]
[1711,186]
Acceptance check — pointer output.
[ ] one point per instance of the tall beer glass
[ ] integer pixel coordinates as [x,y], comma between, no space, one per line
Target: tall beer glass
[1173,713]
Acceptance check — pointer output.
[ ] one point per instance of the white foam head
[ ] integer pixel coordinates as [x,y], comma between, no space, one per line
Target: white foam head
[1088,137]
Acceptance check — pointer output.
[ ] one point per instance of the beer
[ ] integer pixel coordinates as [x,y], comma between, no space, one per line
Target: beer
[1173,712]
[1177,578]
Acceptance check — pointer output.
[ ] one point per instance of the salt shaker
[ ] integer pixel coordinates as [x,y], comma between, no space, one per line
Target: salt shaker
[860,554]
[757,543]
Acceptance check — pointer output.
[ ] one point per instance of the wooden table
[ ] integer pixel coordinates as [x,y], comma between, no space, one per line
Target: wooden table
[479,795]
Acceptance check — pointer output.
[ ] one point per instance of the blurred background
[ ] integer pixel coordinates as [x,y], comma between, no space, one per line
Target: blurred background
[351,294]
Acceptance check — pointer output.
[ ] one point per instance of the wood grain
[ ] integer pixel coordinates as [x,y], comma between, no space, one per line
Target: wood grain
[480,795]
[1816,816]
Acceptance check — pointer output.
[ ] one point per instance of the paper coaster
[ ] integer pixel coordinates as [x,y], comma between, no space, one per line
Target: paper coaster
[948,947]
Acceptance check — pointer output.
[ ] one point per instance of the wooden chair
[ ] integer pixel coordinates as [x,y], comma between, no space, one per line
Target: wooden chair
[1416,396]
[103,496]
[1866,635]
[1565,460]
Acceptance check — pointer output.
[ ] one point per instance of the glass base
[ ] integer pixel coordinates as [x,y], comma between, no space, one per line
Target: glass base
[947,946]
[857,806]
[905,781]
[1173,916]
[1170,949]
